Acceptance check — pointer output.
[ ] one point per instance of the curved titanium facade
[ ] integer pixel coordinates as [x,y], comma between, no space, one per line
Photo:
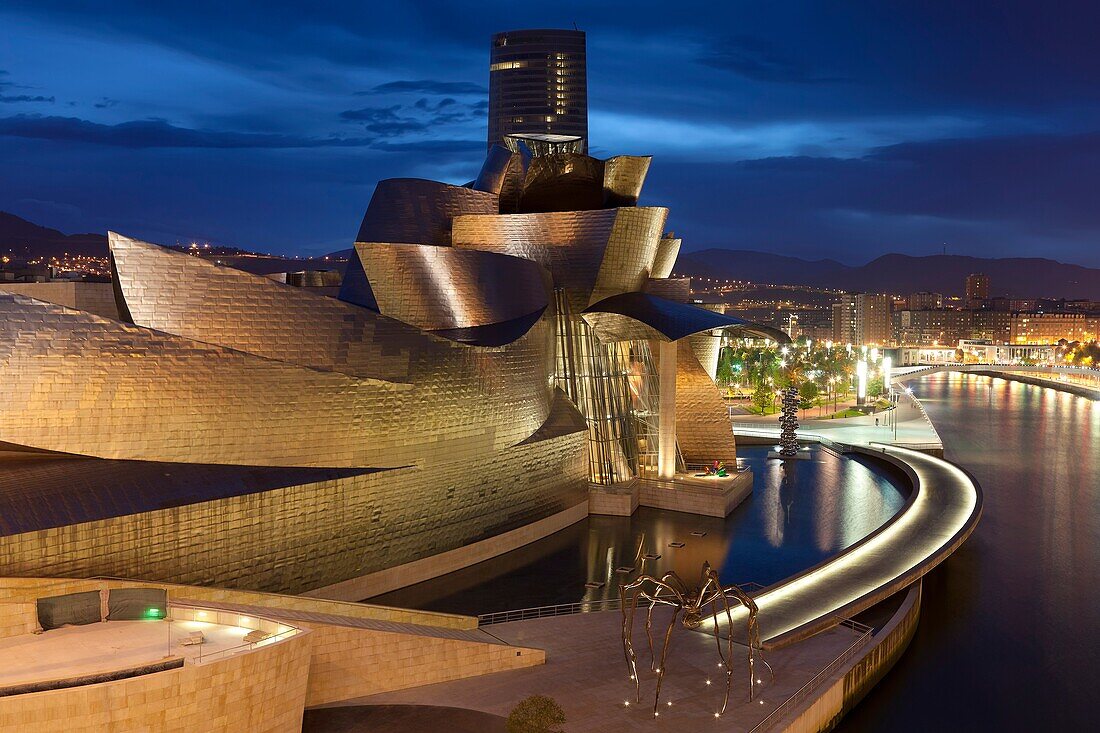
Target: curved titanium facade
[563,182]
[590,254]
[417,211]
[444,288]
[668,249]
[636,315]
[260,395]
[623,178]
[703,430]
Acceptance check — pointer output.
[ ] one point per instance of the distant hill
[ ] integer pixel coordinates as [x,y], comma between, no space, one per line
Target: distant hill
[20,238]
[1022,277]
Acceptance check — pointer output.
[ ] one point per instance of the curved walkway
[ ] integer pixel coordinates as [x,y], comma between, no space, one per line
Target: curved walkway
[941,513]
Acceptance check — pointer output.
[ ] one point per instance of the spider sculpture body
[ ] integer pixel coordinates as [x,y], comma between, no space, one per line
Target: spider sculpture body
[691,606]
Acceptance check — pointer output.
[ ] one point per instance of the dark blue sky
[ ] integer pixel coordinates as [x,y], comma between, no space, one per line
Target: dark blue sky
[828,129]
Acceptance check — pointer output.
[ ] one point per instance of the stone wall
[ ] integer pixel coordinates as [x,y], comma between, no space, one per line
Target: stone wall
[26,590]
[823,708]
[17,617]
[343,659]
[350,663]
[710,497]
[262,691]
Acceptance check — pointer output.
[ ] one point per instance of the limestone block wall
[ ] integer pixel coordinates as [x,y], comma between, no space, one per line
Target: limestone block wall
[343,660]
[26,590]
[17,617]
[262,691]
[350,663]
[715,500]
[618,500]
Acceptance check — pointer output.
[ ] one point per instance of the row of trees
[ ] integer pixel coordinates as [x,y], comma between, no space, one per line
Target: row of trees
[1078,353]
[819,373]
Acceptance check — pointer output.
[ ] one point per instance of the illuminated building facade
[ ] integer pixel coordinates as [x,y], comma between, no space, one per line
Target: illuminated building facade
[492,351]
[977,289]
[538,85]
[1047,328]
[935,327]
[862,318]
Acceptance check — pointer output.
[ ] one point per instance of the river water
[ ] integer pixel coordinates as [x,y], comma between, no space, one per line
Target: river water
[1009,637]
[800,513]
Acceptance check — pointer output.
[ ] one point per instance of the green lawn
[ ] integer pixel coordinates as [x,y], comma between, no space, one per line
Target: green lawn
[850,412]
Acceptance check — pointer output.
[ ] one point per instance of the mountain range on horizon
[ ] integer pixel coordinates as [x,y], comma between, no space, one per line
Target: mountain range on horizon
[1014,277]
[1022,277]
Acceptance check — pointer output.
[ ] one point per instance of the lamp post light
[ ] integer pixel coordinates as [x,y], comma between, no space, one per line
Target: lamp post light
[861,375]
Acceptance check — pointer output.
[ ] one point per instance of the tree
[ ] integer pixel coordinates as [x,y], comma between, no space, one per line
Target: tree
[808,392]
[762,397]
[536,714]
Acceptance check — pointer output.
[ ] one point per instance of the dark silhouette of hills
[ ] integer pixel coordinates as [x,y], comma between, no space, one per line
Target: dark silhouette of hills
[1031,277]
[1021,277]
[24,240]
[21,239]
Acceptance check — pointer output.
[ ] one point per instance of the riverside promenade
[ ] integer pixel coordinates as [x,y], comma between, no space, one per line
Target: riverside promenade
[803,630]
[906,425]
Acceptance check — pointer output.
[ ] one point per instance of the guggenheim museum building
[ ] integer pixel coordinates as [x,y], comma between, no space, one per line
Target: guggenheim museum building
[496,351]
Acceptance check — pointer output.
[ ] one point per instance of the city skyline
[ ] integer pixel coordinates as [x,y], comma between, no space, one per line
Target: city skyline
[799,131]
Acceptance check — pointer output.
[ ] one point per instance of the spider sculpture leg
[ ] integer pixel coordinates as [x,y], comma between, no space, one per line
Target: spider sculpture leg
[628,626]
[725,655]
[649,634]
[752,631]
[664,658]
[628,597]
[754,639]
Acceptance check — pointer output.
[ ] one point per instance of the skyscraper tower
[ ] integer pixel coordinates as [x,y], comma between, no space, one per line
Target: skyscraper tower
[538,85]
[977,289]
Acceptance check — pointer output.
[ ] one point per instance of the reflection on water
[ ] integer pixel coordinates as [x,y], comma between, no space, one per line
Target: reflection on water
[800,513]
[1008,632]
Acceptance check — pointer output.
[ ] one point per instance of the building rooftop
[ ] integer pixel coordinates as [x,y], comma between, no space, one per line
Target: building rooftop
[110,646]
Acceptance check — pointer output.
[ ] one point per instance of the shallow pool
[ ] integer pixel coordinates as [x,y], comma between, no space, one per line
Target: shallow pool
[800,513]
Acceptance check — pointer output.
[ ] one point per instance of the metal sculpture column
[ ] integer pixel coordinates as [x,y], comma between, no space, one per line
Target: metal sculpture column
[788,427]
[788,423]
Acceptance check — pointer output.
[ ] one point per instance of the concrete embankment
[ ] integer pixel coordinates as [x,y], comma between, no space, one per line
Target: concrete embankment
[838,690]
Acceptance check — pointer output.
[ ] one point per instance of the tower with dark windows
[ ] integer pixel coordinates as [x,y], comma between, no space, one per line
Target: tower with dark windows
[538,87]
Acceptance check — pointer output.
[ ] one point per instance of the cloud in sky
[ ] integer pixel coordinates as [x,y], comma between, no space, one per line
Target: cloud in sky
[844,129]
[428,86]
[155,134]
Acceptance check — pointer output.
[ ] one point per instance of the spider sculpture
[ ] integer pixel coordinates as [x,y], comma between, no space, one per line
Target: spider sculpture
[671,590]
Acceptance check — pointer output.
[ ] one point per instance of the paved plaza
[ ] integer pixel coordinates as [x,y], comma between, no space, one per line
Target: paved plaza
[586,673]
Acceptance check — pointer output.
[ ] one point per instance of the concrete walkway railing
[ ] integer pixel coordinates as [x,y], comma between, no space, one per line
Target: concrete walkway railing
[864,634]
[568,609]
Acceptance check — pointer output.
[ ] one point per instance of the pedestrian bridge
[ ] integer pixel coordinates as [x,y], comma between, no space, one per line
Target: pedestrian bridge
[1083,381]
[901,373]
